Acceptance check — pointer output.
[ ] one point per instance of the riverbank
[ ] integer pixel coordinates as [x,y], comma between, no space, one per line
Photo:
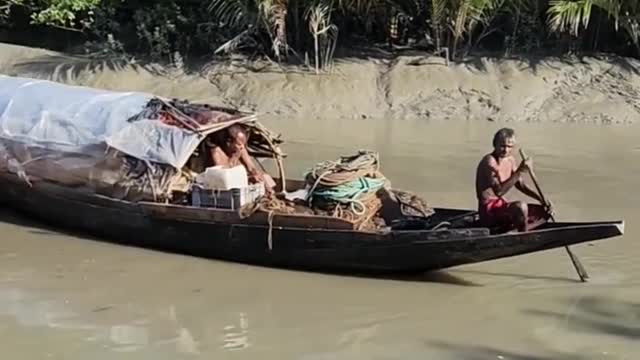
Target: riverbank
[585,90]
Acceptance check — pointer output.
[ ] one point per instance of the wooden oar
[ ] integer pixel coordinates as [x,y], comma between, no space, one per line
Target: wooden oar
[574,259]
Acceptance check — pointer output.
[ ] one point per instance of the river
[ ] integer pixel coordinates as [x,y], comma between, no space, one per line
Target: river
[65,297]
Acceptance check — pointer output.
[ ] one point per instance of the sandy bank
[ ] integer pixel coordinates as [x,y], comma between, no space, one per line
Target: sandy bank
[587,90]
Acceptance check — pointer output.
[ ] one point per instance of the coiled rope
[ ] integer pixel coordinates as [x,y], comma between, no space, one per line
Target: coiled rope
[353,193]
[352,180]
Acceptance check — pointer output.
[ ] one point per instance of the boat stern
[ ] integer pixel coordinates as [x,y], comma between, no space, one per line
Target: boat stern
[620,226]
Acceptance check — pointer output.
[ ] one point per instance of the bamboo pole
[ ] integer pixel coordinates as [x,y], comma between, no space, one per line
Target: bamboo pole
[574,259]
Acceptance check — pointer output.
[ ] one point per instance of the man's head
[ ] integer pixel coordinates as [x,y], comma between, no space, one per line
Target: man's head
[236,139]
[503,142]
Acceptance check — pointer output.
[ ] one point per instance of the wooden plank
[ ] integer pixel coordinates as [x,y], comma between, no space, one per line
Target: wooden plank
[175,212]
[81,194]
[179,212]
[302,221]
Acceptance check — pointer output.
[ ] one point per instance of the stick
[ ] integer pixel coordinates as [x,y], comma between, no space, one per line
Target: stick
[185,119]
[574,259]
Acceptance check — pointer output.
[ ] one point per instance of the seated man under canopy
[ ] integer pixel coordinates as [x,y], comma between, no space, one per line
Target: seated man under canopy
[496,174]
[229,149]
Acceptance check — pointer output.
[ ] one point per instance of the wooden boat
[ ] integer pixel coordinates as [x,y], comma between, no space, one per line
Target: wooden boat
[304,242]
[445,238]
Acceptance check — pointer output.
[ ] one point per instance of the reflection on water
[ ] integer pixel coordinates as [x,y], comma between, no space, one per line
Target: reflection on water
[236,336]
[128,338]
[35,311]
[28,309]
[81,299]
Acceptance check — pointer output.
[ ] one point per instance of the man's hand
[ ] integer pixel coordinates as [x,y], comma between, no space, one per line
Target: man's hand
[549,209]
[256,176]
[526,164]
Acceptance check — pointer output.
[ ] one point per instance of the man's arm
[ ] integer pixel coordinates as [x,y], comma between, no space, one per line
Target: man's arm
[525,189]
[255,173]
[251,167]
[218,157]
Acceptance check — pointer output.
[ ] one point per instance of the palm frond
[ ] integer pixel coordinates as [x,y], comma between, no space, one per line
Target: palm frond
[361,7]
[438,8]
[569,15]
[319,16]
[234,14]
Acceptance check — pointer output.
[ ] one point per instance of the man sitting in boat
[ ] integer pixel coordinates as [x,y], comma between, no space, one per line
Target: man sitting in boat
[496,174]
[229,149]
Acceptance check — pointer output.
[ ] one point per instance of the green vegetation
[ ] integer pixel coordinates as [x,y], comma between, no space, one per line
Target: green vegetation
[295,30]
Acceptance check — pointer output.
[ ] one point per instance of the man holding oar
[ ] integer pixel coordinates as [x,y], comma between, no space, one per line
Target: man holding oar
[496,175]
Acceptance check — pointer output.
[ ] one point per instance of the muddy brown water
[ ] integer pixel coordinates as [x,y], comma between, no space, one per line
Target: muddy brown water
[65,297]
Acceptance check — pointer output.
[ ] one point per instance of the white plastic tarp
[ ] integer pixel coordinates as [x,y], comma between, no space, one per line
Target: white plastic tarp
[63,117]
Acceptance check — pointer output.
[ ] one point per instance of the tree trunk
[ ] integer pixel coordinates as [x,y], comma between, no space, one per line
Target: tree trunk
[315,45]
[280,23]
[296,24]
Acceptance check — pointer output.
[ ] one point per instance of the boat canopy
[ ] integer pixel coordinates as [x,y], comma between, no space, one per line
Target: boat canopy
[68,118]
[64,131]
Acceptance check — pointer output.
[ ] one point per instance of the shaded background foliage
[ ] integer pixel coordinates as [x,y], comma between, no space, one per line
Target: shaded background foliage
[287,30]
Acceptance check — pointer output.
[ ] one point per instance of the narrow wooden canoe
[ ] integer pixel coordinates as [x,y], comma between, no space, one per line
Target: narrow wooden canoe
[135,146]
[292,241]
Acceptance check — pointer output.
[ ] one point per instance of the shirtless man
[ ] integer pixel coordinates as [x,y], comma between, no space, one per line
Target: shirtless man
[496,174]
[232,151]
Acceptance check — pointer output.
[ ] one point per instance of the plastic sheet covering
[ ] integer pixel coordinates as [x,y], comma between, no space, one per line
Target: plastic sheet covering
[97,169]
[83,137]
[61,117]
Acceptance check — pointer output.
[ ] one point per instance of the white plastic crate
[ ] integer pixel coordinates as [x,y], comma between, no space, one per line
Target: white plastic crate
[226,199]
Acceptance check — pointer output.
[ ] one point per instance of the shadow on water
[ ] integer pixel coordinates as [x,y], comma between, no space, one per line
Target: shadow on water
[519,276]
[42,229]
[599,315]
[10,217]
[466,352]
[440,277]
[13,218]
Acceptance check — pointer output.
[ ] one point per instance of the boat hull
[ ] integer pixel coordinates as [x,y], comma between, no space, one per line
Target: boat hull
[336,250]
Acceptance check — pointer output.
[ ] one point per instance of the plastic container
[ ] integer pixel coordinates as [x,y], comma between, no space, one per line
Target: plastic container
[226,199]
[219,178]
